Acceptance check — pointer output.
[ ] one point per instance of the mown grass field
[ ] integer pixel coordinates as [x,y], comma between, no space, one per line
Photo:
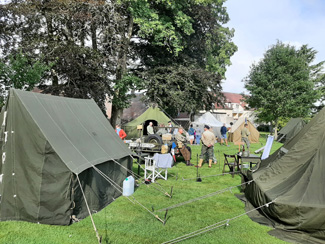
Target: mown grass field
[125,222]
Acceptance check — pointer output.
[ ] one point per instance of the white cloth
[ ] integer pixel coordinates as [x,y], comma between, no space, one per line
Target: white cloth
[163,160]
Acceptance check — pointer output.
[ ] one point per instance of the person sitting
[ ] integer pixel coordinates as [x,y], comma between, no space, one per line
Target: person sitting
[181,144]
[121,133]
[170,130]
[162,130]
[150,129]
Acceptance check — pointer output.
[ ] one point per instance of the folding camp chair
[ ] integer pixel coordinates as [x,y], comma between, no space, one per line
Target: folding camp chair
[157,166]
[231,161]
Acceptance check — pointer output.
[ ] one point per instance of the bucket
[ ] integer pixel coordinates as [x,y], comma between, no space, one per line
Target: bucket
[128,186]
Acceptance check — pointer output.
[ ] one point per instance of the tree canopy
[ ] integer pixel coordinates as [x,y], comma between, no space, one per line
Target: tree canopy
[283,84]
[20,72]
[105,49]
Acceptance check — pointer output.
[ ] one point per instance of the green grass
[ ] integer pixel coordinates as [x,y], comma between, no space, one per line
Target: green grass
[125,222]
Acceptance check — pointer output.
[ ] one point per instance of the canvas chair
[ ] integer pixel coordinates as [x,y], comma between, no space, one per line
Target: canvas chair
[157,166]
[231,161]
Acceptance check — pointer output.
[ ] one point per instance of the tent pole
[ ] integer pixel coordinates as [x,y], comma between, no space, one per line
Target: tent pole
[91,217]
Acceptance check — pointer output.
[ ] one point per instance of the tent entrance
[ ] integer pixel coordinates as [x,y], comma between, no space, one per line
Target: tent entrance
[146,123]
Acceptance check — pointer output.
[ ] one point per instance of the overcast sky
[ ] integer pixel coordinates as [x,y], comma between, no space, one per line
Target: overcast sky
[259,24]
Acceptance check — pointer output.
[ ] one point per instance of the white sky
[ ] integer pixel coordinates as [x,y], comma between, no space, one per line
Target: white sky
[259,24]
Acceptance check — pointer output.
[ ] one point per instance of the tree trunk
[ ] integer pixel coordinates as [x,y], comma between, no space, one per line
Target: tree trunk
[276,129]
[120,72]
[116,116]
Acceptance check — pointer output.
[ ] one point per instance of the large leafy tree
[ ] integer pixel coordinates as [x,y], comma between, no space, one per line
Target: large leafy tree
[192,72]
[283,84]
[101,46]
[179,88]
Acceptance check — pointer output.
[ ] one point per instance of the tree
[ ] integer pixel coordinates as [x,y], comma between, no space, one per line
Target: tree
[102,47]
[283,84]
[20,72]
[189,78]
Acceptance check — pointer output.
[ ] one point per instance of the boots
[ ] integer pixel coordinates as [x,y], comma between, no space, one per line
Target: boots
[188,163]
[200,163]
[210,163]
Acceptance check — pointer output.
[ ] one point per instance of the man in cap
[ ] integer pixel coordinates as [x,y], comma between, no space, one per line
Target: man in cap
[208,139]
[183,148]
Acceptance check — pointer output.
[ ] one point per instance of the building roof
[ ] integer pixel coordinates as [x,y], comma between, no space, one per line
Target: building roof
[232,98]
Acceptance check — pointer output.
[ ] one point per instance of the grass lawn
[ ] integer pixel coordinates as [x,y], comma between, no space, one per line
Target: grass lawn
[125,222]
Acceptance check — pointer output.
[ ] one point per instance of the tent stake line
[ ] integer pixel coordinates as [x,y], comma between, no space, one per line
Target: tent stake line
[203,197]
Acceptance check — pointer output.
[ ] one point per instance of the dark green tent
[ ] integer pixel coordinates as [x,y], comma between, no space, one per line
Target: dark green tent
[46,143]
[291,129]
[293,178]
[152,114]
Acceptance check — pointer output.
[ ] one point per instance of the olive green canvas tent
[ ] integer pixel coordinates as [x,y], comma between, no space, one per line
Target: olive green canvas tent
[291,129]
[152,114]
[293,179]
[51,146]
[234,135]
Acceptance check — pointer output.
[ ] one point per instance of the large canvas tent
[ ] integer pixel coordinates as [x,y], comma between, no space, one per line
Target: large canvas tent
[291,129]
[235,131]
[152,114]
[51,146]
[293,179]
[208,119]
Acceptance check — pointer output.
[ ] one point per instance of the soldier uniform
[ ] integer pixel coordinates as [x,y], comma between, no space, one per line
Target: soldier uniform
[208,140]
[185,150]
[244,136]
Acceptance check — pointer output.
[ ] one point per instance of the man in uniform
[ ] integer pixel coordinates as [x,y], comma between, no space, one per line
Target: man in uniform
[181,144]
[208,139]
[244,136]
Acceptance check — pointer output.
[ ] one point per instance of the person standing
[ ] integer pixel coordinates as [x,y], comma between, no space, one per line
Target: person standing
[208,140]
[162,130]
[244,136]
[223,131]
[120,132]
[150,128]
[191,132]
[198,135]
[183,148]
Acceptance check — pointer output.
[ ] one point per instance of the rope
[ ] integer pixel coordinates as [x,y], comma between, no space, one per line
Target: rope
[116,186]
[213,175]
[91,217]
[128,170]
[213,226]
[203,197]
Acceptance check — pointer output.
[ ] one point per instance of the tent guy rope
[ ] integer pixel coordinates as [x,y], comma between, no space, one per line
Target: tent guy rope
[91,217]
[116,186]
[213,226]
[202,197]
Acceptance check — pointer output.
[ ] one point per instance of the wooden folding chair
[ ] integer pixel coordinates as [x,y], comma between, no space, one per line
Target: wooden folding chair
[232,162]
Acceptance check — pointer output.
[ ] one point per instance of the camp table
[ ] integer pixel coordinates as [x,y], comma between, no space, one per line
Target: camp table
[251,159]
